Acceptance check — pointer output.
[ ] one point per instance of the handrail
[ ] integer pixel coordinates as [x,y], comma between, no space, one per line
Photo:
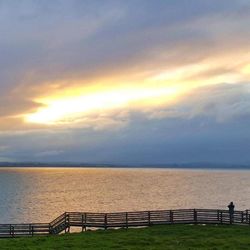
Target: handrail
[62,216]
[126,219]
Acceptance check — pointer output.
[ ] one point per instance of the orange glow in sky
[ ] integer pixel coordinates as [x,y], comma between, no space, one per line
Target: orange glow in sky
[67,109]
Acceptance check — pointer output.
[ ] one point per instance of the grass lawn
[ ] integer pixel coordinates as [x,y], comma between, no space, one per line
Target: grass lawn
[155,237]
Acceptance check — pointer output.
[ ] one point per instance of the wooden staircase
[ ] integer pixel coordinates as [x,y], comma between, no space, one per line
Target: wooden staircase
[60,224]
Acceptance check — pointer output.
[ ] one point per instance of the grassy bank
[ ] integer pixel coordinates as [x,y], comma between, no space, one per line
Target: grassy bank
[155,237]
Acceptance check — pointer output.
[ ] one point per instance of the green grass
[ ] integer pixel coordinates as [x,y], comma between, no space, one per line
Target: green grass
[156,237]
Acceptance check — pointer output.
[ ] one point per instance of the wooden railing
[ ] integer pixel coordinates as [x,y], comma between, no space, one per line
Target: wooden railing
[65,221]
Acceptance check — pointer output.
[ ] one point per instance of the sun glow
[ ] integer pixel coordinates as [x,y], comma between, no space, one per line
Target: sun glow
[72,105]
[65,110]
[246,69]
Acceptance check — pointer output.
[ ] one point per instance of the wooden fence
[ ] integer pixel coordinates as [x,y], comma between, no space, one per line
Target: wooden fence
[65,221]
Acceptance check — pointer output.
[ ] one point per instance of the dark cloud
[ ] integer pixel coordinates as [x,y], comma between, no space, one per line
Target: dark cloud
[48,41]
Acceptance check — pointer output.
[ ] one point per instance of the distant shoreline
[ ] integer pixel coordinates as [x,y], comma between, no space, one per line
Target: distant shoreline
[201,166]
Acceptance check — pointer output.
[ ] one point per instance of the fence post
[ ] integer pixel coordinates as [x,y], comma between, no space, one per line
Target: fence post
[195,216]
[68,220]
[12,230]
[82,222]
[247,216]
[32,230]
[171,214]
[65,222]
[149,218]
[85,222]
[105,221]
[221,217]
[126,219]
[50,229]
[218,215]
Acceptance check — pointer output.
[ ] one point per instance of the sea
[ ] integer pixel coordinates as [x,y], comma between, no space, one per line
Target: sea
[29,195]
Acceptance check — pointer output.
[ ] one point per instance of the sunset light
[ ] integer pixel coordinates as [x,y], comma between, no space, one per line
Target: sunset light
[68,110]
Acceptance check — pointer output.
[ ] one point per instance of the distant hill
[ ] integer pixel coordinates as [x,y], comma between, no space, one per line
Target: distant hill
[196,165]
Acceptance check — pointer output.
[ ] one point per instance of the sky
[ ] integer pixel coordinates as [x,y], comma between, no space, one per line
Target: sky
[125,82]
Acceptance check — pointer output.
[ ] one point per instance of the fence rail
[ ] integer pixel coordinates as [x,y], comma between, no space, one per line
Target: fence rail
[65,221]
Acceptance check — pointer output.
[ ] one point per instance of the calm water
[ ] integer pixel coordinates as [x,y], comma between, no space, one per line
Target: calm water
[39,195]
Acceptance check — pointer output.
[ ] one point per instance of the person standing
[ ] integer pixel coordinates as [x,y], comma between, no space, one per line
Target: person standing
[231,212]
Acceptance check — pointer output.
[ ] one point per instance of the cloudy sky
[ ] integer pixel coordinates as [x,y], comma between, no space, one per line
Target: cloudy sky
[125,82]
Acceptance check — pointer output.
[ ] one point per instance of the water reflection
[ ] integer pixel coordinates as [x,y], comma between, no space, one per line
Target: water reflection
[39,195]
